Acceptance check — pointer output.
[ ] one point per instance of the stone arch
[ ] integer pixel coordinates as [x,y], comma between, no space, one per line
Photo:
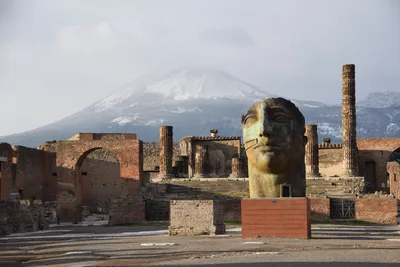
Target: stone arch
[395,156]
[98,179]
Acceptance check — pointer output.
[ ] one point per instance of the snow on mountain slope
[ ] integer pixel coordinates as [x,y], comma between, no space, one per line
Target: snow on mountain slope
[381,100]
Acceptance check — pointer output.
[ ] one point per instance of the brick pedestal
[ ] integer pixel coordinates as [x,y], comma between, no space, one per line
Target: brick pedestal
[276,217]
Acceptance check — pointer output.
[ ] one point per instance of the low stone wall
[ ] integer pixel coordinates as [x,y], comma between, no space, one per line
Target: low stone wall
[18,216]
[126,211]
[319,209]
[196,217]
[369,208]
[377,210]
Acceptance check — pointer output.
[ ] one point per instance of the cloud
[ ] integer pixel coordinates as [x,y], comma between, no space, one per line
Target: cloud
[228,37]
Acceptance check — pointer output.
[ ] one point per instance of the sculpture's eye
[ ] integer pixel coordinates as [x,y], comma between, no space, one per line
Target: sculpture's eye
[281,117]
[249,119]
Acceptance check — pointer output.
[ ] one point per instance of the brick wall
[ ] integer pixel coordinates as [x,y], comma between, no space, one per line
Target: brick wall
[196,217]
[393,169]
[7,179]
[320,209]
[18,216]
[34,173]
[71,156]
[377,210]
[376,150]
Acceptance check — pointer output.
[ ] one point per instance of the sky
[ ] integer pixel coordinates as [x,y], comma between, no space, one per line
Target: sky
[57,57]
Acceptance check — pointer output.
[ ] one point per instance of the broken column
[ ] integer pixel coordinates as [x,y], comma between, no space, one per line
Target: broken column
[166,152]
[235,168]
[349,135]
[312,156]
[200,165]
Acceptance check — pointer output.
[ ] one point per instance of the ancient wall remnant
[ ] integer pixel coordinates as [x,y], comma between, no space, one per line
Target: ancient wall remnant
[196,217]
[349,134]
[126,211]
[18,216]
[166,151]
[312,158]
[70,157]
[35,173]
[7,171]
[103,136]
[373,156]
[393,168]
[220,151]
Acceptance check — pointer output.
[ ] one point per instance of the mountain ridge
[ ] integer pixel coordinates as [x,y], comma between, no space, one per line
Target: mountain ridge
[194,100]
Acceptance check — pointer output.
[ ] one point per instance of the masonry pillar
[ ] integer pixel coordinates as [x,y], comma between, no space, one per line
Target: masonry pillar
[312,155]
[201,162]
[165,152]
[235,168]
[349,135]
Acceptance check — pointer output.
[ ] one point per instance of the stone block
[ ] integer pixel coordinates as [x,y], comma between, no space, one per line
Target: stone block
[126,211]
[196,217]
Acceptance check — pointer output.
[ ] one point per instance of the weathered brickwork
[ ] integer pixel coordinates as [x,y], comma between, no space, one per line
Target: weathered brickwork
[374,154]
[70,157]
[103,136]
[127,211]
[377,210]
[35,173]
[320,209]
[393,169]
[368,208]
[196,217]
[7,179]
[18,216]
[349,133]
[101,180]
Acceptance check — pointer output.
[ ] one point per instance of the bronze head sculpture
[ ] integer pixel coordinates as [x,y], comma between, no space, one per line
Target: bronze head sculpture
[273,135]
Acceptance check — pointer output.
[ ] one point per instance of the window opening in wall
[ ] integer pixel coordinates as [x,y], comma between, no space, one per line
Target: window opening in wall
[84,173]
[21,193]
[394,177]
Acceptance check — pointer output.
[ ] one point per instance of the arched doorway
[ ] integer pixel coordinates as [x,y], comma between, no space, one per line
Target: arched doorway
[98,181]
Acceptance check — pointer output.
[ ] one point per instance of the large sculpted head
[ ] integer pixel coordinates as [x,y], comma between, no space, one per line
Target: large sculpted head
[273,133]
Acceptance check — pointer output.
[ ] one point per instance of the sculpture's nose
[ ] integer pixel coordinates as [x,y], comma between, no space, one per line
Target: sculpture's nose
[266,126]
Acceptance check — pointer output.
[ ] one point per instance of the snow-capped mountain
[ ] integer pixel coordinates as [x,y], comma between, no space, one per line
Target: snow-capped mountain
[194,101]
[381,100]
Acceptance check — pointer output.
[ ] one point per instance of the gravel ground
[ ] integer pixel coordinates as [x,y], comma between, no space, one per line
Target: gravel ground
[74,246]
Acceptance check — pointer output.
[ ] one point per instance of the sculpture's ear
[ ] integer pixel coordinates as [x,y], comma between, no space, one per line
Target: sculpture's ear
[305,140]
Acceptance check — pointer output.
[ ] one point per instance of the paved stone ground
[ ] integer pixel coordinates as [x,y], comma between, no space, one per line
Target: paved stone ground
[75,246]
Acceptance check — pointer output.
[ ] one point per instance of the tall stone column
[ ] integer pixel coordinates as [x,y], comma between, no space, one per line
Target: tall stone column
[312,154]
[349,135]
[200,165]
[166,144]
[235,168]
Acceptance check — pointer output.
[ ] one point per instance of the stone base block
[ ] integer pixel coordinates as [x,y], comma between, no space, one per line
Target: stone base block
[196,217]
[126,211]
[276,217]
